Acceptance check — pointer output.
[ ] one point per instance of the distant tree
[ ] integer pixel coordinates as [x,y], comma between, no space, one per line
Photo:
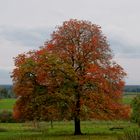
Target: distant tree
[136,109]
[6,92]
[3,92]
[72,77]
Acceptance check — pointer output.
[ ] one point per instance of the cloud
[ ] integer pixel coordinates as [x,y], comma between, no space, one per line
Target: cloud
[27,37]
[131,66]
[36,13]
[10,49]
[5,77]
[123,44]
[122,48]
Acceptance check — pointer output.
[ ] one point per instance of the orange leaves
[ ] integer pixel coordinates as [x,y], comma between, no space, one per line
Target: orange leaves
[20,59]
[74,71]
[16,113]
[103,107]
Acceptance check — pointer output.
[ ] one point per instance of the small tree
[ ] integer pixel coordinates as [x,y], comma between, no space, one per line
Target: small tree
[136,109]
[72,77]
[3,92]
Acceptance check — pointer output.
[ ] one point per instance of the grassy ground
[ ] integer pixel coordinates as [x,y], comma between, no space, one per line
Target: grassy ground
[7,104]
[97,130]
[93,130]
[128,97]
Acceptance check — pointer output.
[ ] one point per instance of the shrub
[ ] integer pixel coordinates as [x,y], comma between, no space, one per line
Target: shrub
[136,109]
[6,117]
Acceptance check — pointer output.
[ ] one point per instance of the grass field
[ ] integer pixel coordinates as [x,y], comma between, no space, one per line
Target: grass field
[128,97]
[7,104]
[97,130]
[93,130]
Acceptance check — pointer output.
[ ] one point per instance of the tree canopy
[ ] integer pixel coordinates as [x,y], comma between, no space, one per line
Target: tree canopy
[73,76]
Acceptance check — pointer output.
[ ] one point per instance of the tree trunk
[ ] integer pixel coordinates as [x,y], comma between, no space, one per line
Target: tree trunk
[77,126]
[77,114]
[51,123]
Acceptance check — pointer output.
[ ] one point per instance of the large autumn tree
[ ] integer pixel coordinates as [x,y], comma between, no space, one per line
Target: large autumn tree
[72,76]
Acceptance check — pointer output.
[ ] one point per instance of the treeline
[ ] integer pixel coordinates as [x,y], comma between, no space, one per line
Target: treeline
[6,91]
[132,88]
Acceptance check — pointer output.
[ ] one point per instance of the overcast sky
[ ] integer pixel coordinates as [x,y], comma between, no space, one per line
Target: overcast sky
[26,24]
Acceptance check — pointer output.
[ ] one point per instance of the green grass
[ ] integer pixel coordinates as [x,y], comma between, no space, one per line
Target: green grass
[97,130]
[7,104]
[127,99]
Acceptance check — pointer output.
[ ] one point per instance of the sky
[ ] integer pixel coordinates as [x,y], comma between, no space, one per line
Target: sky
[26,24]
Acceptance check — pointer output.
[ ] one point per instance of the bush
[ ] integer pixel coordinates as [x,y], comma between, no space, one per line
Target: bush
[6,117]
[130,135]
[136,110]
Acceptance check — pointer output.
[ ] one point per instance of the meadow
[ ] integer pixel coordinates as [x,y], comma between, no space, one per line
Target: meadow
[128,97]
[92,130]
[97,130]
[7,104]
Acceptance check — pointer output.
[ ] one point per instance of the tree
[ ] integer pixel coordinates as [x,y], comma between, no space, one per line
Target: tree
[136,110]
[76,74]
[3,92]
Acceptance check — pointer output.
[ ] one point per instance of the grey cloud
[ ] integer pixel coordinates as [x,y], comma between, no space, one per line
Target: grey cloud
[5,77]
[123,48]
[28,37]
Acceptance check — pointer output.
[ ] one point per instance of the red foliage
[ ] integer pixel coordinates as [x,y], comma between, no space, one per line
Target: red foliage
[73,74]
